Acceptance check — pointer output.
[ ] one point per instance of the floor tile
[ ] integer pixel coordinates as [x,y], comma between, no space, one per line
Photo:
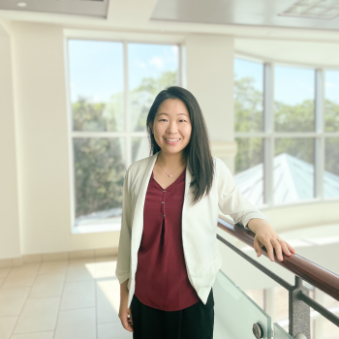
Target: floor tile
[104,269]
[76,324]
[12,301]
[4,272]
[47,257]
[47,286]
[105,252]
[108,301]
[38,315]
[21,276]
[80,270]
[40,335]
[5,263]
[113,331]
[53,267]
[78,294]
[84,254]
[6,326]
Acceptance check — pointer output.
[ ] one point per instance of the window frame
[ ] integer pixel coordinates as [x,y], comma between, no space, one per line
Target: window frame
[269,135]
[127,134]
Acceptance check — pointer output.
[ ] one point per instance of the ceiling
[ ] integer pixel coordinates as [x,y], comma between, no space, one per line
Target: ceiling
[239,12]
[90,8]
[156,19]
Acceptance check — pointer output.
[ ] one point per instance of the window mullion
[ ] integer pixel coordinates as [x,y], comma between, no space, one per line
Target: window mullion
[268,129]
[319,140]
[128,143]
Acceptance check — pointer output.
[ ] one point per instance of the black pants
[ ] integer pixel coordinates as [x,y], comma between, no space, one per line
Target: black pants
[194,322]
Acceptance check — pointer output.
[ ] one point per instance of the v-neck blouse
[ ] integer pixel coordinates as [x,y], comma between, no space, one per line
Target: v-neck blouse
[161,277]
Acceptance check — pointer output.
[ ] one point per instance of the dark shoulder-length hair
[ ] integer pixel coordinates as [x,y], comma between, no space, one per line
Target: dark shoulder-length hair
[197,152]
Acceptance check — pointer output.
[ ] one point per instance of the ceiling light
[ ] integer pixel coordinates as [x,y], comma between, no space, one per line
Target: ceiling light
[21,4]
[318,9]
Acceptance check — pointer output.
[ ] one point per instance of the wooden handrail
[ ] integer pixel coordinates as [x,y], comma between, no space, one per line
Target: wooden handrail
[309,271]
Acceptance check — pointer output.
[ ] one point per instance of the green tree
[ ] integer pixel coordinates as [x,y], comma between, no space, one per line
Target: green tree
[142,97]
[331,116]
[100,162]
[248,102]
[288,118]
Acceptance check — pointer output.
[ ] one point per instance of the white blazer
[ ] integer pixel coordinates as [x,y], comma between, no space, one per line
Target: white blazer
[199,224]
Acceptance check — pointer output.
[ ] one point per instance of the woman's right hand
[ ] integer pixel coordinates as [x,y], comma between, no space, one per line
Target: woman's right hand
[125,313]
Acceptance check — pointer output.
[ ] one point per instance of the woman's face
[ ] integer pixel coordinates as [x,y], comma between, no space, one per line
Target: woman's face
[172,126]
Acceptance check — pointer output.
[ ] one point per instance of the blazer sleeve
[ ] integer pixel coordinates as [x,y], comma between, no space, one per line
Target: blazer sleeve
[230,199]
[122,270]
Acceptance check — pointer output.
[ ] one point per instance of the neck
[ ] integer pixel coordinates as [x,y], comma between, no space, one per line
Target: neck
[171,161]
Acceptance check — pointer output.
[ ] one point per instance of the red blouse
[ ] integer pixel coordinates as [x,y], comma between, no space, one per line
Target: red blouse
[161,277]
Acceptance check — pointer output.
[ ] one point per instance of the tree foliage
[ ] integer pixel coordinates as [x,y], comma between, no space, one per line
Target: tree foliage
[100,162]
[287,118]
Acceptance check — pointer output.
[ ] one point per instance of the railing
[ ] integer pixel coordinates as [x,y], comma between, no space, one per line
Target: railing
[299,300]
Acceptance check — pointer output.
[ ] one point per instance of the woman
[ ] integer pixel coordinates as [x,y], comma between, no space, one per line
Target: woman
[168,256]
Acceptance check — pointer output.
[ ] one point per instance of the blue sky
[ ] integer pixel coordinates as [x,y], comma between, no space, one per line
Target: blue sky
[96,71]
[292,85]
[96,67]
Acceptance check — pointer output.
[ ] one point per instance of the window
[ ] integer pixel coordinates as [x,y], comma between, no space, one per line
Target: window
[287,130]
[248,100]
[331,173]
[293,165]
[112,86]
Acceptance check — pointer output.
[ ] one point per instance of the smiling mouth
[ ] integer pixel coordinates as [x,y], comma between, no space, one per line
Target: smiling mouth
[172,140]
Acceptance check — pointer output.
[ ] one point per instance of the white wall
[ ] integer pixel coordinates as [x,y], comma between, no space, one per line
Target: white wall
[34,144]
[9,208]
[209,76]
[42,129]
[43,149]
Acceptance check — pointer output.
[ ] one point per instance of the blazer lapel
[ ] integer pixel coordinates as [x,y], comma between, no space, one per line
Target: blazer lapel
[188,179]
[138,222]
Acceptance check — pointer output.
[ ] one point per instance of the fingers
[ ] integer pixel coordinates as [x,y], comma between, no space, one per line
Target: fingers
[278,249]
[269,249]
[127,324]
[280,246]
[126,320]
[257,247]
[285,247]
[130,314]
[290,248]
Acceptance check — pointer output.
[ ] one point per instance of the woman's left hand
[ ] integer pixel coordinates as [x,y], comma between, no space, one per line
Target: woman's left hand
[266,236]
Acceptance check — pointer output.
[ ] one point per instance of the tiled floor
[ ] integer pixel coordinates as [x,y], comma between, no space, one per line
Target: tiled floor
[76,299]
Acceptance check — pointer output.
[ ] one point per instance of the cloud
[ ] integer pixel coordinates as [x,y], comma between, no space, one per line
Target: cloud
[139,63]
[331,84]
[175,50]
[158,62]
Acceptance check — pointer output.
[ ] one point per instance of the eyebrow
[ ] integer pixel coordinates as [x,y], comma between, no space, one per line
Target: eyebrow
[177,114]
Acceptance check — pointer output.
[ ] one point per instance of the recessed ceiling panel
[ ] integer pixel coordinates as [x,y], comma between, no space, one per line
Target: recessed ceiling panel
[320,14]
[92,8]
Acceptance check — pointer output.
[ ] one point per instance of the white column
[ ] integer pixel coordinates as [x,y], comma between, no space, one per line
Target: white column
[209,76]
[9,206]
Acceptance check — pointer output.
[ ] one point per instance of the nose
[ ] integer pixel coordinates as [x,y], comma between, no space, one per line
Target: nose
[172,127]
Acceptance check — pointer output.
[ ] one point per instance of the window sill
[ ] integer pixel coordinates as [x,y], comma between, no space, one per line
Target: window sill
[96,228]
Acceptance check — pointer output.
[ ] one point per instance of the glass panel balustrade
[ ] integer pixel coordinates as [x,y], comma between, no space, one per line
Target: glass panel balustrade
[236,313]
[280,333]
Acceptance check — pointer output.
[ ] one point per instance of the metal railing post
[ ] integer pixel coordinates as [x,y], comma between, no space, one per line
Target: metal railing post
[299,312]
